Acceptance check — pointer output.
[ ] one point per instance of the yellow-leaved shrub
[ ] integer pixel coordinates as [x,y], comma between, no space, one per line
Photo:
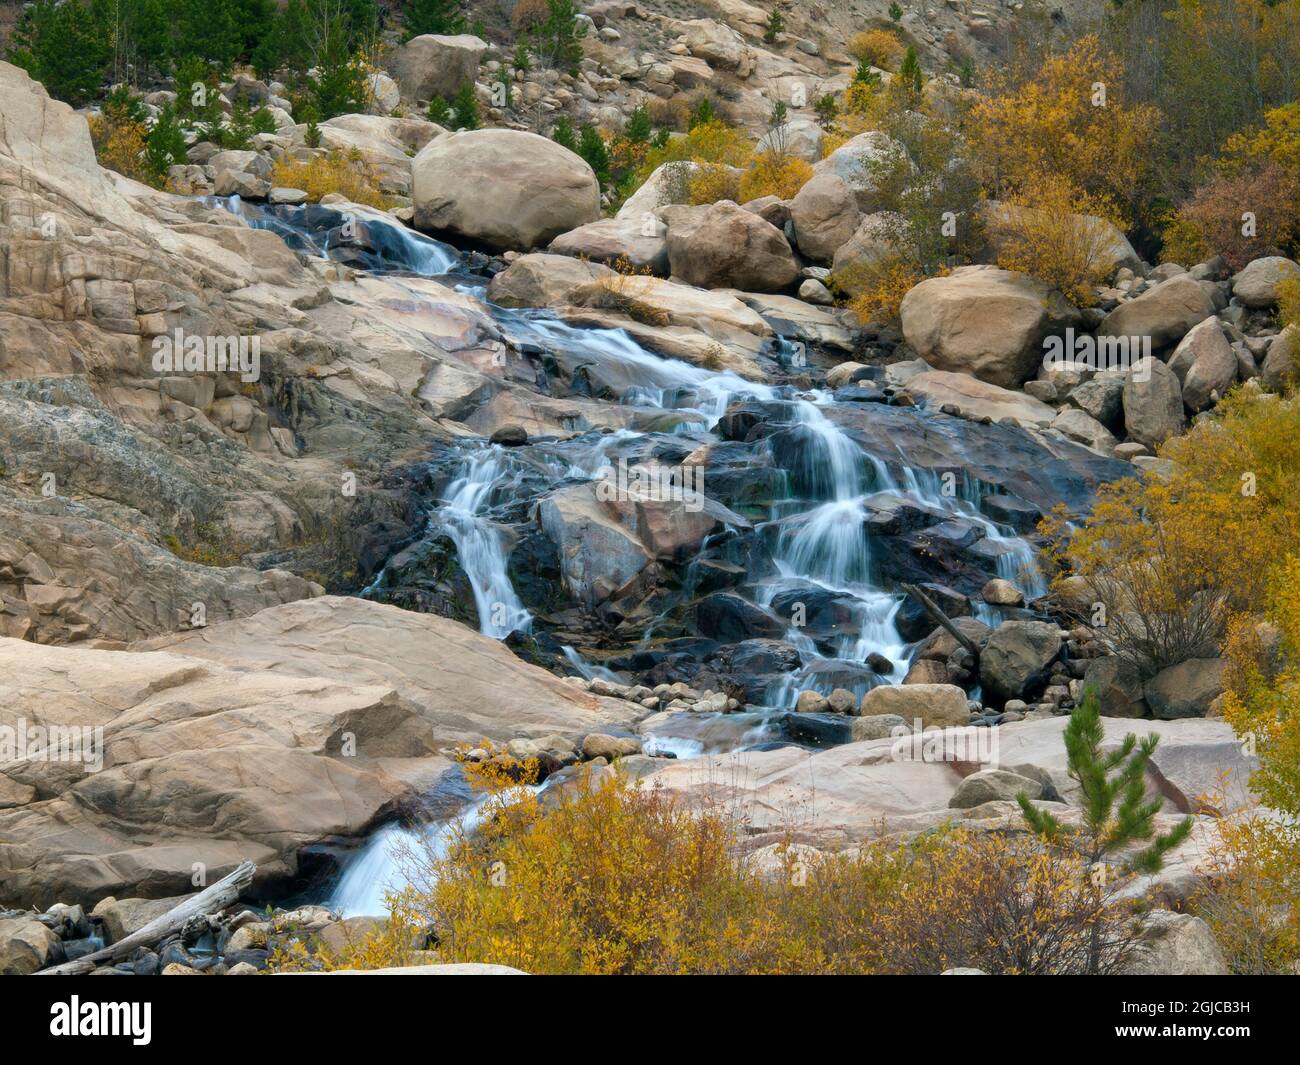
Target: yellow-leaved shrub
[1252,897]
[878,47]
[774,174]
[1054,231]
[1054,123]
[345,173]
[878,286]
[608,877]
[1170,560]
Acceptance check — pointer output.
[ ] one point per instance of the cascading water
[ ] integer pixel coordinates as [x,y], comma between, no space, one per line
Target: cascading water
[828,546]
[479,543]
[818,536]
[379,867]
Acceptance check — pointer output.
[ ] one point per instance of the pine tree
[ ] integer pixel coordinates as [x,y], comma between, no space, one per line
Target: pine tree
[826,110]
[208,29]
[702,115]
[339,84]
[434,16]
[591,146]
[557,37]
[64,46]
[775,26]
[165,145]
[439,111]
[563,134]
[1115,810]
[638,128]
[466,106]
[895,12]
[910,77]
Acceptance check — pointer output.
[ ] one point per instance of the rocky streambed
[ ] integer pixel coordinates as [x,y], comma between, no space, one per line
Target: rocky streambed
[680,544]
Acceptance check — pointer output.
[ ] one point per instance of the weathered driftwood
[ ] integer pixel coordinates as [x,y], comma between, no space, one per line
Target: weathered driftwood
[932,608]
[210,900]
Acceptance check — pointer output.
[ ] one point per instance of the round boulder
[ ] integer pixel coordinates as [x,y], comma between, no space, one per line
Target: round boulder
[984,321]
[502,188]
[721,245]
[1256,284]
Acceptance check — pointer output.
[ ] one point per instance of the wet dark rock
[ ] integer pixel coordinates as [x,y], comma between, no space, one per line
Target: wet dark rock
[814,730]
[1007,509]
[254,957]
[730,617]
[713,574]
[860,394]
[914,621]
[510,436]
[761,656]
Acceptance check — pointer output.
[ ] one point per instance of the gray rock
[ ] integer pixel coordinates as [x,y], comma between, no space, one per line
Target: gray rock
[878,726]
[1176,944]
[1256,283]
[1185,690]
[1153,403]
[1164,313]
[1016,658]
[991,785]
[1119,686]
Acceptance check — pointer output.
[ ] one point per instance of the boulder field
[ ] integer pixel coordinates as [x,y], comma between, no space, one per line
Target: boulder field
[277,605]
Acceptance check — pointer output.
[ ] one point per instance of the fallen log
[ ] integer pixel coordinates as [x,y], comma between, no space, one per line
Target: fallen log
[208,901]
[932,608]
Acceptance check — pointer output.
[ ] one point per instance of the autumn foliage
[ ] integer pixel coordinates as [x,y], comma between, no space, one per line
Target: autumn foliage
[606,877]
[1060,123]
[1171,560]
[1052,230]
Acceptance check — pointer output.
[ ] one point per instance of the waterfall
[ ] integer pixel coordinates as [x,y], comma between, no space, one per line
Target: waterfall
[378,867]
[479,543]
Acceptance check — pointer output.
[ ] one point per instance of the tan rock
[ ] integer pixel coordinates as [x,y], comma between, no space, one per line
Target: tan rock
[825,215]
[502,188]
[938,705]
[721,245]
[983,321]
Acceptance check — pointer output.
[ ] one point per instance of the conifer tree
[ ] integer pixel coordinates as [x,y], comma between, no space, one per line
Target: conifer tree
[563,134]
[434,16]
[62,45]
[775,26]
[1116,813]
[592,148]
[638,128]
[910,77]
[466,106]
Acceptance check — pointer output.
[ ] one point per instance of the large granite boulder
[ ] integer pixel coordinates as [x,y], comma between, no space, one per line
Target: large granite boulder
[1016,659]
[984,321]
[1256,283]
[1164,313]
[721,245]
[825,215]
[434,65]
[1153,403]
[502,188]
